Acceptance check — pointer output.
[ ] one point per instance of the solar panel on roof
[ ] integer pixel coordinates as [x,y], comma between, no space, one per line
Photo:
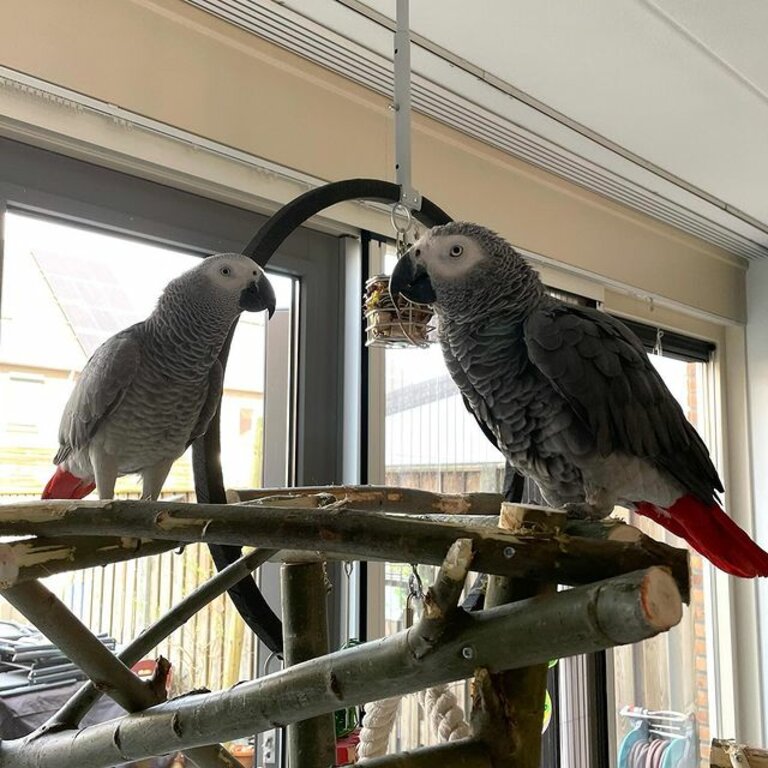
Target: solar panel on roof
[89,292]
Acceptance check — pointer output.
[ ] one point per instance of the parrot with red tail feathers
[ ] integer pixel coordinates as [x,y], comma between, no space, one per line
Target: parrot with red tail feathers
[568,394]
[150,390]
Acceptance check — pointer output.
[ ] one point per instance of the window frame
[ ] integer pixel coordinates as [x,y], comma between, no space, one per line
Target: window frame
[675,343]
[42,183]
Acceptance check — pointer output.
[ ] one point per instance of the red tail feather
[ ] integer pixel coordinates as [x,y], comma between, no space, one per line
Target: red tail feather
[712,533]
[64,485]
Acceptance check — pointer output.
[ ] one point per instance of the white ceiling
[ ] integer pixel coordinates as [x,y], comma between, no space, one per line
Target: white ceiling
[668,98]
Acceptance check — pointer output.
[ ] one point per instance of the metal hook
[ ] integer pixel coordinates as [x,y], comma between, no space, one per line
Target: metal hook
[272,656]
[326,578]
[398,209]
[657,348]
[415,584]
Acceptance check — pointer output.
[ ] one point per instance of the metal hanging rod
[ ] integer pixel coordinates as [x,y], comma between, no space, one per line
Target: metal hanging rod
[409,197]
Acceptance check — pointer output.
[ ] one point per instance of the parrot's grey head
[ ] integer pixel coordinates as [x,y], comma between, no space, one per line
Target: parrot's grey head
[462,268]
[227,283]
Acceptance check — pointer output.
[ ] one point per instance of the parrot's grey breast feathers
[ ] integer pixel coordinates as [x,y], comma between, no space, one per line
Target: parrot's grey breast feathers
[215,387]
[603,372]
[99,389]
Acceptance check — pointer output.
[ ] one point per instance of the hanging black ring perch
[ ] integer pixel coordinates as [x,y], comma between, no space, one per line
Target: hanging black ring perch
[209,481]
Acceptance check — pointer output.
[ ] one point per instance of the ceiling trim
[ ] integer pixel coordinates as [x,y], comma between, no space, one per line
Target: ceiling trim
[663,196]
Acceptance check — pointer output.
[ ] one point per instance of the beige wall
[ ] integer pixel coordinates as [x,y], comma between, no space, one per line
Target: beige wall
[173,63]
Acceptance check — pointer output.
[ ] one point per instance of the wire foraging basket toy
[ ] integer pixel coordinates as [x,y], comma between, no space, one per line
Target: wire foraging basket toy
[395,323]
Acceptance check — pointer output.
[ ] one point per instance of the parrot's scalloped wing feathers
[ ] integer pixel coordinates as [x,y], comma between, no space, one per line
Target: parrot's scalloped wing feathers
[99,389]
[600,367]
[215,386]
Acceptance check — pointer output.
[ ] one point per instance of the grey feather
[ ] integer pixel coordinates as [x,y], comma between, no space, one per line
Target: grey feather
[619,395]
[215,387]
[559,389]
[151,389]
[99,389]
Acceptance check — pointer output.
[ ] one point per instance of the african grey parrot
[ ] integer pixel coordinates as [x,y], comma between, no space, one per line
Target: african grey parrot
[568,394]
[148,391]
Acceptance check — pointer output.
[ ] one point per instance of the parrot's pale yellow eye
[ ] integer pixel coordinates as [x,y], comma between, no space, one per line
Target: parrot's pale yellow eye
[225,271]
[456,251]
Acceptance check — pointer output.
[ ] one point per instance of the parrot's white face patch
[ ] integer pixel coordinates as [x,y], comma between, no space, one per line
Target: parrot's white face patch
[448,258]
[231,272]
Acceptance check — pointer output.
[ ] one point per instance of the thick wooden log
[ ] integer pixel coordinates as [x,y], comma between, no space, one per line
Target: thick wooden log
[378,498]
[311,742]
[555,559]
[39,557]
[105,670]
[508,706]
[457,754]
[626,609]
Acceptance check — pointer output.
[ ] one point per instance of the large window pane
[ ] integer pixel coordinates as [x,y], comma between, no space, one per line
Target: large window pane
[65,290]
[433,443]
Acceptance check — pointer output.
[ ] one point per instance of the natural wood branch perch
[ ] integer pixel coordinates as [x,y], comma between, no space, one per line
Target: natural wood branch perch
[70,715]
[610,529]
[457,754]
[440,603]
[80,646]
[379,498]
[311,743]
[39,557]
[508,706]
[106,671]
[626,609]
[722,750]
[555,559]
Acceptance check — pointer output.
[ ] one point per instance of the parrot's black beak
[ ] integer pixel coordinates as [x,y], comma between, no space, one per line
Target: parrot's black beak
[259,295]
[410,278]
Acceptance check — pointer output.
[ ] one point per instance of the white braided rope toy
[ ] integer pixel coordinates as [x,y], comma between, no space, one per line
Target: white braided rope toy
[377,725]
[441,711]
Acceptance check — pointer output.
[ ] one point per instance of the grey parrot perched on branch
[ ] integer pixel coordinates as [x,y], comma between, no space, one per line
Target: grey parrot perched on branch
[150,390]
[568,394]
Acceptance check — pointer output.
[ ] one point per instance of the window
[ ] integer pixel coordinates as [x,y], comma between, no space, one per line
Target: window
[86,251]
[66,290]
[432,442]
